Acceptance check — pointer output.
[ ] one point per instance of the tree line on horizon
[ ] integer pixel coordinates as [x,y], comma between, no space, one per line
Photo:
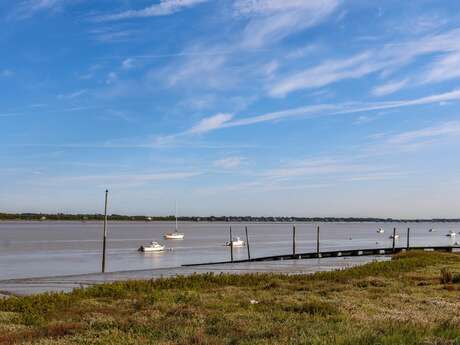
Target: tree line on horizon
[118,217]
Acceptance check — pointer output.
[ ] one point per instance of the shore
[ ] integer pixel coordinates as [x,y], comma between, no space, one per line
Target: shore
[412,299]
[67,283]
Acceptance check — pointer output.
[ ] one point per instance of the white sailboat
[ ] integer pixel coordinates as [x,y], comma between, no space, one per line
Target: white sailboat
[236,242]
[176,235]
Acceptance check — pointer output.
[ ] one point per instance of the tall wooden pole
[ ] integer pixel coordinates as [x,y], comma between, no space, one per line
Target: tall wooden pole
[394,239]
[247,244]
[293,240]
[104,241]
[408,237]
[231,245]
[317,240]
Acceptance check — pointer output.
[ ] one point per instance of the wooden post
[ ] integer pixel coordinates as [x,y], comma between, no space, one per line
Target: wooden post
[394,239]
[317,240]
[247,244]
[293,240]
[231,245]
[408,238]
[104,240]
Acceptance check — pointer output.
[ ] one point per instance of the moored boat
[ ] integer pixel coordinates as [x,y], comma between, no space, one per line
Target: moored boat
[236,242]
[152,247]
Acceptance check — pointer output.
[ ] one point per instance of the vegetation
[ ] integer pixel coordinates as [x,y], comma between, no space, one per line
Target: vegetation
[413,299]
[118,217]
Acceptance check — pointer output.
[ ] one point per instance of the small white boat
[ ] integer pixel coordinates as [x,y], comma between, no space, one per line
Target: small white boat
[152,247]
[380,231]
[176,235]
[395,236]
[236,242]
[451,233]
[432,230]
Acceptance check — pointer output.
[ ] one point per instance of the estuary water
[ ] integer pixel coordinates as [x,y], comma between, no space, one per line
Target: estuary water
[51,248]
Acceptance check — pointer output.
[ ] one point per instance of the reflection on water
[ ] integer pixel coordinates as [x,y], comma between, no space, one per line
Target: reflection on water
[29,249]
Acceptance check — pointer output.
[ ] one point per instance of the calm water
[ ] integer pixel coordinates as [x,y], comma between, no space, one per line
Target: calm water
[31,249]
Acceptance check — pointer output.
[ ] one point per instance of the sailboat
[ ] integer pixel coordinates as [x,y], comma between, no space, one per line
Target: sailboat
[176,235]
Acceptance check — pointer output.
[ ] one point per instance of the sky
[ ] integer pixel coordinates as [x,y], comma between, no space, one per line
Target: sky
[231,107]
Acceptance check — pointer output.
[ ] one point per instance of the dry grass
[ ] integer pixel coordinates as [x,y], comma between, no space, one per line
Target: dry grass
[405,301]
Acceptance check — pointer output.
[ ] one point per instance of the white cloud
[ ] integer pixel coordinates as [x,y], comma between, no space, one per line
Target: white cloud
[72,95]
[225,121]
[128,63]
[228,162]
[273,20]
[164,8]
[385,60]
[326,73]
[389,88]
[445,68]
[210,123]
[112,77]
[29,8]
[451,128]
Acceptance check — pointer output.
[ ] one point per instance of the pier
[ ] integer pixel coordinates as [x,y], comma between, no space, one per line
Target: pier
[333,254]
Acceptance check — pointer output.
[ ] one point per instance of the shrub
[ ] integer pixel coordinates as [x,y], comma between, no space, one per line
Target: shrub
[446,276]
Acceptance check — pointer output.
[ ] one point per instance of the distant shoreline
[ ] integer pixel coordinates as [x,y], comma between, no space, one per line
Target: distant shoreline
[212,219]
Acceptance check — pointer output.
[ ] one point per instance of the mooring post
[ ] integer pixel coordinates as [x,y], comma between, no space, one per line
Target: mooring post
[408,238]
[104,240]
[247,244]
[317,240]
[394,239]
[231,245]
[293,240]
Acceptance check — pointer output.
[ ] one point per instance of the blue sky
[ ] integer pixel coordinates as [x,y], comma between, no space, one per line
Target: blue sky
[235,107]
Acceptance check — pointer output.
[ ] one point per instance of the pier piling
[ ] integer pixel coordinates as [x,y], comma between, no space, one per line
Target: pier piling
[293,240]
[317,241]
[104,239]
[247,244]
[408,238]
[231,245]
[394,240]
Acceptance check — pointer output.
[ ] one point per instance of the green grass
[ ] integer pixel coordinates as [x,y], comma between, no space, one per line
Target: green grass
[412,299]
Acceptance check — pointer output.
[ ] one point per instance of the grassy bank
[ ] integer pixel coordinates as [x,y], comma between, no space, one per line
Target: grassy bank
[413,299]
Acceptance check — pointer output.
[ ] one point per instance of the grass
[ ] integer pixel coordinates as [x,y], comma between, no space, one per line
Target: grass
[412,299]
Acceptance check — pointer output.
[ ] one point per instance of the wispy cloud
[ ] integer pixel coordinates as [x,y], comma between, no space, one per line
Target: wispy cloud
[389,88]
[446,129]
[210,123]
[445,68]
[273,20]
[385,60]
[73,95]
[28,8]
[227,121]
[232,162]
[164,8]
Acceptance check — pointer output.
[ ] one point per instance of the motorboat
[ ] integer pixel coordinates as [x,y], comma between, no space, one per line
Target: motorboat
[380,231]
[432,230]
[175,235]
[451,233]
[152,247]
[395,237]
[236,242]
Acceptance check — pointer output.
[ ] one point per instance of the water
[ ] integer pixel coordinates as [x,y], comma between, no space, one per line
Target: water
[33,249]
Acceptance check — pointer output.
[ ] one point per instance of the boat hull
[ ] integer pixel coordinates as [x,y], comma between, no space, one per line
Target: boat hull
[174,236]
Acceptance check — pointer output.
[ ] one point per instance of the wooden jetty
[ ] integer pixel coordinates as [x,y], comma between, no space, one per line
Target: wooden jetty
[333,254]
